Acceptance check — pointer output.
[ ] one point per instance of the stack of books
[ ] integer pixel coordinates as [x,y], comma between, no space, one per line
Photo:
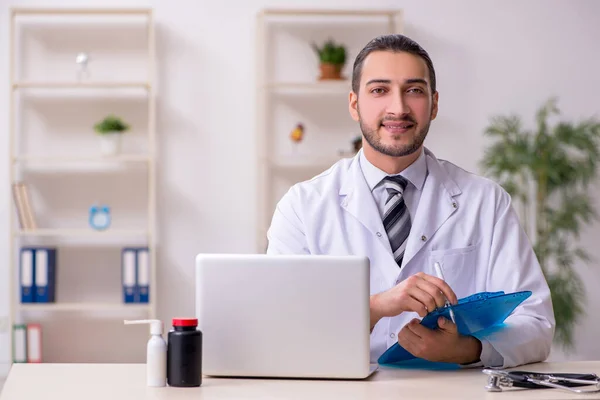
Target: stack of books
[23,204]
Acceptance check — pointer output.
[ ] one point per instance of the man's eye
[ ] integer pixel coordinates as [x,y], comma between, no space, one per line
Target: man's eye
[415,90]
[378,90]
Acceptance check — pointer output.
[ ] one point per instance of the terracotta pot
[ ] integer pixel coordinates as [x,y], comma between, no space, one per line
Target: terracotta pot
[330,71]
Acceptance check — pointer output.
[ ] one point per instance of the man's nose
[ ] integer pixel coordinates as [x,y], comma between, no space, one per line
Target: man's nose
[398,105]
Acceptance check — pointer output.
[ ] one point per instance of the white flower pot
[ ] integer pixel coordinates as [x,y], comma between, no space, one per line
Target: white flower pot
[110,144]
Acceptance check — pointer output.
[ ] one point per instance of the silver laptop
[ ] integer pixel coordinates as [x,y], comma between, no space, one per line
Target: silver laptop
[295,316]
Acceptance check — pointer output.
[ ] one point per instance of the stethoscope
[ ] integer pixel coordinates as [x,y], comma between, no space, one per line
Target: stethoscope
[535,380]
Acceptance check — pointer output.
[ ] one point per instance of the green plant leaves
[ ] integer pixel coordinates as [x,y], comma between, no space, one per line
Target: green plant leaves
[111,124]
[575,210]
[331,53]
[568,297]
[557,162]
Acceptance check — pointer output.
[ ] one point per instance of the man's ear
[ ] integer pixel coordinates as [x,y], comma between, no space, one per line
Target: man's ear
[434,106]
[353,106]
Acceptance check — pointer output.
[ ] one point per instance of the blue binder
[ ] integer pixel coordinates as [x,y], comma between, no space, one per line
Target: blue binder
[475,315]
[143,275]
[27,274]
[129,274]
[45,275]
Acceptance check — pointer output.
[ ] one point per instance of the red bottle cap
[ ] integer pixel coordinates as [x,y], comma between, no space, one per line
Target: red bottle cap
[185,322]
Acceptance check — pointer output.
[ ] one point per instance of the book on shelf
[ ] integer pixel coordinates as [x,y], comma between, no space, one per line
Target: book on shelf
[22,201]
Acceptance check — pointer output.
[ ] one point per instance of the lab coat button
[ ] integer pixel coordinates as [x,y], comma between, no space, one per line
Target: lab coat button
[454,205]
[423,238]
[378,234]
[392,335]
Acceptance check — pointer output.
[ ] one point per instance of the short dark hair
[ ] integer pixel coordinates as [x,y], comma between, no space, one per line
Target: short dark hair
[395,43]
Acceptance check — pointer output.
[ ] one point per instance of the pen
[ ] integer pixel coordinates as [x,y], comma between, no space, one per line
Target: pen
[440,274]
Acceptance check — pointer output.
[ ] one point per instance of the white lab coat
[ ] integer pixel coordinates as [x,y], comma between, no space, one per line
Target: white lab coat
[464,221]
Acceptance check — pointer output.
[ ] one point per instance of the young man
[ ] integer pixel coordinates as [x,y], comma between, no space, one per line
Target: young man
[396,203]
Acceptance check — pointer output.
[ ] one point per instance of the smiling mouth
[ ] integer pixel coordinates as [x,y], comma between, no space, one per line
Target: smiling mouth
[398,127]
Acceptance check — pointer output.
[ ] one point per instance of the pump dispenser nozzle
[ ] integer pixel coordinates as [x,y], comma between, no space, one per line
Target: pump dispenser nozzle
[156,325]
[156,354]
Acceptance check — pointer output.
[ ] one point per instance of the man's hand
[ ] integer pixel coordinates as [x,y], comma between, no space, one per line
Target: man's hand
[444,344]
[420,293]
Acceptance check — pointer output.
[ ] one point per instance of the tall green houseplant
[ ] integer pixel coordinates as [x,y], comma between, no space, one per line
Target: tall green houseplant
[548,172]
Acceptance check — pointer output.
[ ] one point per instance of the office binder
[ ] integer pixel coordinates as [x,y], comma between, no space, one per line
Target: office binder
[27,274]
[129,274]
[143,275]
[45,275]
[19,343]
[475,315]
[34,343]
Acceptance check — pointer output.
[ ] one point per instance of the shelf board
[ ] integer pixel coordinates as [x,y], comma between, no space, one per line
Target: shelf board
[80,85]
[82,232]
[323,87]
[330,12]
[305,165]
[58,160]
[84,11]
[84,307]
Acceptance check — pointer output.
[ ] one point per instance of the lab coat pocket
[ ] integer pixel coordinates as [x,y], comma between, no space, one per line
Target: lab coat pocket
[459,266]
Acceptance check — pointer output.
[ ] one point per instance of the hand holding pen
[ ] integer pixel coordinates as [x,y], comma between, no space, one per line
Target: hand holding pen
[440,274]
[420,293]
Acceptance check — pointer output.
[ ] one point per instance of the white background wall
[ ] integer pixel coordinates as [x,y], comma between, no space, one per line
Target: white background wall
[491,58]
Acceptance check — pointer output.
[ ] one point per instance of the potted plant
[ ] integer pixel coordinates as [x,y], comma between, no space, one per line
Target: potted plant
[332,58]
[110,130]
[547,171]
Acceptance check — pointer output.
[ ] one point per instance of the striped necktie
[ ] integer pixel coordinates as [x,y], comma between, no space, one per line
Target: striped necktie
[396,218]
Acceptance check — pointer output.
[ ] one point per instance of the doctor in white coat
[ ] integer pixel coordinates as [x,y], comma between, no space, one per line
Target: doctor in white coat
[436,212]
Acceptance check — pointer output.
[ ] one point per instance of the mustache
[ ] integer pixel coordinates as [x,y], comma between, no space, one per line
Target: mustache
[404,118]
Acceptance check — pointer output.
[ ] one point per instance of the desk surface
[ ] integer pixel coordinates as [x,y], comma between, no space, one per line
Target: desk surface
[127,381]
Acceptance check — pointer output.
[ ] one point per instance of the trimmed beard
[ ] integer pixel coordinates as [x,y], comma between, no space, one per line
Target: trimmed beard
[374,139]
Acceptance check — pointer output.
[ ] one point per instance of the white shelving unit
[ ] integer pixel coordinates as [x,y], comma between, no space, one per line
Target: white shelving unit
[289,92]
[82,85]
[25,158]
[82,232]
[85,307]
[75,156]
[309,88]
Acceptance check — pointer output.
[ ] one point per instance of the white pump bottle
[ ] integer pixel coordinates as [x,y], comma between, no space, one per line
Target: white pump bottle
[156,353]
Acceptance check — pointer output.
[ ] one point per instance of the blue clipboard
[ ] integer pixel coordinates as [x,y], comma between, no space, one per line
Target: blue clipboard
[475,315]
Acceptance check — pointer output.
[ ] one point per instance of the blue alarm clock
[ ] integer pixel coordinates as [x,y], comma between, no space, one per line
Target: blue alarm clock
[99,217]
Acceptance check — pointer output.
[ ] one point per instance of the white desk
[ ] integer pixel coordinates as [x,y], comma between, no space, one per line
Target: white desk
[127,381]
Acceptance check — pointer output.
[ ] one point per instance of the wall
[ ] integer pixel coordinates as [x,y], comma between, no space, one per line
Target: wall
[491,58]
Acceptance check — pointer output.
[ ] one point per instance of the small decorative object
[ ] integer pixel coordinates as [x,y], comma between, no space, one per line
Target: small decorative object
[297,135]
[110,130]
[82,59]
[99,217]
[332,59]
